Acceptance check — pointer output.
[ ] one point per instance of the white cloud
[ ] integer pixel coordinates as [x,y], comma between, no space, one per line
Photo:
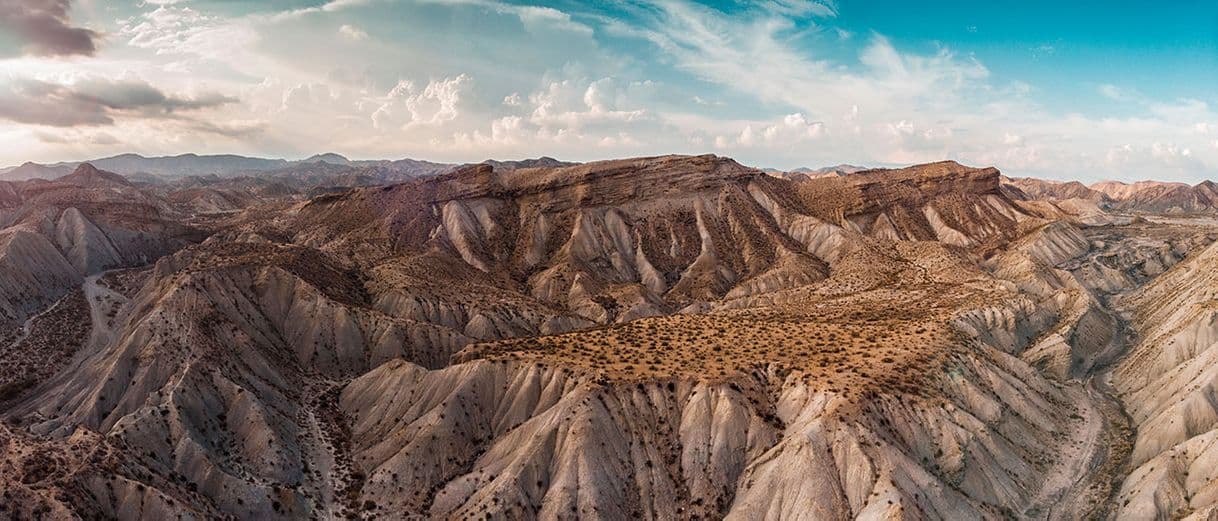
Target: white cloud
[791,130]
[1113,92]
[307,96]
[533,17]
[767,82]
[800,8]
[170,30]
[352,33]
[899,128]
[1156,156]
[576,103]
[437,103]
[331,6]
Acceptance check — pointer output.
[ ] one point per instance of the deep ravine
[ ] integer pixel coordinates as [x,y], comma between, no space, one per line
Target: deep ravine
[1097,484]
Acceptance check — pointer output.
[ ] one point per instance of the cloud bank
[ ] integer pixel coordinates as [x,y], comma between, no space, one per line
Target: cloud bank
[780,84]
[44,28]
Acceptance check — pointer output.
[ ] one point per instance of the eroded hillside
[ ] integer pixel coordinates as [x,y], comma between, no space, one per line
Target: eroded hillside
[670,338]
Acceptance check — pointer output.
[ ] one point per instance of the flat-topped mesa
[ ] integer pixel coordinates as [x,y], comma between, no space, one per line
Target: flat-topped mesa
[601,183]
[942,201]
[634,180]
[883,187]
[932,172]
[543,161]
[1140,196]
[869,190]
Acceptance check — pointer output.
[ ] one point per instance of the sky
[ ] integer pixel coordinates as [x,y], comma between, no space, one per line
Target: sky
[1066,90]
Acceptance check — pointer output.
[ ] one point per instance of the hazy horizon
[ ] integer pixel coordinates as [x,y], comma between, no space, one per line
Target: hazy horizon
[1088,91]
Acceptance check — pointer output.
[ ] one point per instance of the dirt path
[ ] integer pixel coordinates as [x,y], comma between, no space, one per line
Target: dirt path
[57,337]
[28,327]
[1072,487]
[1092,457]
[1081,482]
[98,297]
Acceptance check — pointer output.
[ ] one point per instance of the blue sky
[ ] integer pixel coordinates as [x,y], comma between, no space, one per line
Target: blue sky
[1070,90]
[1069,48]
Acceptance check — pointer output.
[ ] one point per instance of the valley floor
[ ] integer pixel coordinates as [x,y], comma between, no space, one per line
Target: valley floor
[1094,455]
[1097,460]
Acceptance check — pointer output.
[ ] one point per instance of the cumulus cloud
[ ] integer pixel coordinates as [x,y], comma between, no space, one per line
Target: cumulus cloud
[790,130]
[576,103]
[352,33]
[1157,156]
[44,28]
[309,98]
[94,101]
[573,113]
[171,30]
[407,105]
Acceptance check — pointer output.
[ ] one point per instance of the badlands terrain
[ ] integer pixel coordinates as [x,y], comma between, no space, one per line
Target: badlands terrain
[677,337]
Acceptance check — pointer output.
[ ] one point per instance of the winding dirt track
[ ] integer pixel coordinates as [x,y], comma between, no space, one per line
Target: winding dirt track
[95,294]
[28,327]
[1080,484]
[1093,457]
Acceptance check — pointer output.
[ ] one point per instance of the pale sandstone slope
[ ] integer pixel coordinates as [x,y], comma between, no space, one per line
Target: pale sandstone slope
[670,337]
[1167,384]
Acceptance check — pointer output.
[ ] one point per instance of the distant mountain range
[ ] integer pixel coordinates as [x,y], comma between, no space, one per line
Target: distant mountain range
[148,169]
[30,170]
[841,169]
[812,173]
[1147,196]
[151,169]
[168,166]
